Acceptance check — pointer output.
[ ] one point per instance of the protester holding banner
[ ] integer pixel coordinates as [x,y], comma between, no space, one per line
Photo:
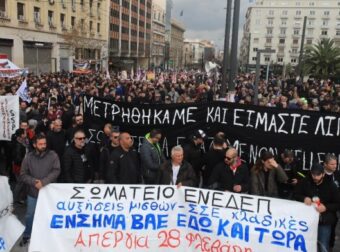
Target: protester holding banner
[324,195]
[266,176]
[152,157]
[78,165]
[39,168]
[124,167]
[178,171]
[231,175]
[333,175]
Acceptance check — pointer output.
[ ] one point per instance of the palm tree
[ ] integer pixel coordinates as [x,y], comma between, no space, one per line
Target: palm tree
[322,60]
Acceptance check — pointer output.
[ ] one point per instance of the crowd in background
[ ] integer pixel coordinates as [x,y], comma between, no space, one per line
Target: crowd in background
[52,137]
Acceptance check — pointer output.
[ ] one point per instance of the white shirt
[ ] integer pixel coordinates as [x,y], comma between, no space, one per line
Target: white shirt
[175,170]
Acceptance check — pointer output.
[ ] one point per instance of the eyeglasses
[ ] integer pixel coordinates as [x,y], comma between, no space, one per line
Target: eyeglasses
[80,138]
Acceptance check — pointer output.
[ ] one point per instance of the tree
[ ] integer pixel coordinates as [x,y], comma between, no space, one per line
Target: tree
[289,70]
[322,60]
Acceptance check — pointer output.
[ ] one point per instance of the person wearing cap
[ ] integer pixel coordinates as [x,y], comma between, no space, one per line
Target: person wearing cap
[324,195]
[266,175]
[193,153]
[291,166]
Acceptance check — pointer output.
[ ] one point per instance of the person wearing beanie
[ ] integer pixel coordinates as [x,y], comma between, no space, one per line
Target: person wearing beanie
[324,195]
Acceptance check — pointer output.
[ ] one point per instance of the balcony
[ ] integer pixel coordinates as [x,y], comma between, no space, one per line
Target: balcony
[282,35]
[294,54]
[268,44]
[51,25]
[298,17]
[323,36]
[63,27]
[280,54]
[268,35]
[326,16]
[296,36]
[22,19]
[295,45]
[281,45]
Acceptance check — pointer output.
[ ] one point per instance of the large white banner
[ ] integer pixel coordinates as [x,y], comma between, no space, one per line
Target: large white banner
[9,116]
[87,217]
[10,228]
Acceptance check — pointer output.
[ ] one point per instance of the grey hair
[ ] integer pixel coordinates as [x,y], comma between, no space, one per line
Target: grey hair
[329,157]
[177,148]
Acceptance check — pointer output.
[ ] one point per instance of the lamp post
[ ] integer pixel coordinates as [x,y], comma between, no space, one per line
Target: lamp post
[258,59]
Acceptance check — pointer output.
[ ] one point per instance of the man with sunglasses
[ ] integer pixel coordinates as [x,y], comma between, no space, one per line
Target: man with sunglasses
[106,151]
[231,175]
[77,162]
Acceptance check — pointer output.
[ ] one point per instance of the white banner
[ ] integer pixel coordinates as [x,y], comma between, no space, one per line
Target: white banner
[10,228]
[87,217]
[9,116]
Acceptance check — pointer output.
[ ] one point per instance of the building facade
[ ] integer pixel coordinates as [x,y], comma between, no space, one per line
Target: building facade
[130,34]
[158,33]
[278,25]
[176,60]
[46,36]
[197,50]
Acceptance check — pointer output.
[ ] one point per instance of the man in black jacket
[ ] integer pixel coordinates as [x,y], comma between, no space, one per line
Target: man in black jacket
[324,195]
[176,171]
[231,175]
[214,156]
[193,152]
[124,163]
[56,138]
[77,161]
[105,152]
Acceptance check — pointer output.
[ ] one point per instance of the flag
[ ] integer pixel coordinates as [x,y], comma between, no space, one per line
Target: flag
[108,77]
[23,92]
[132,74]
[181,14]
[138,74]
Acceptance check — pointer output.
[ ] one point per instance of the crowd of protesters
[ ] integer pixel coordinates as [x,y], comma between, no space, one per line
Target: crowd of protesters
[51,145]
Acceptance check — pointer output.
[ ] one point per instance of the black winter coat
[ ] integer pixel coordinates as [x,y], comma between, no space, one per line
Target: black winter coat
[186,174]
[77,165]
[224,179]
[57,141]
[210,160]
[327,193]
[18,153]
[124,167]
[194,155]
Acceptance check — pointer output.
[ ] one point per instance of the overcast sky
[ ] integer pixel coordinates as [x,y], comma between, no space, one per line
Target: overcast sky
[205,19]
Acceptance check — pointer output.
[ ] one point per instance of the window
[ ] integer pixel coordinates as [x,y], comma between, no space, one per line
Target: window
[323,32]
[293,60]
[295,41]
[310,32]
[270,21]
[283,31]
[271,12]
[267,59]
[254,49]
[141,34]
[256,40]
[324,22]
[258,22]
[298,4]
[98,9]
[309,42]
[91,26]
[311,4]
[284,12]
[269,31]
[50,18]
[280,59]
[2,5]
[62,20]
[114,27]
[268,40]
[73,22]
[82,22]
[298,13]
[36,13]
[125,30]
[312,13]
[296,31]
[20,11]
[310,22]
[254,58]
[326,13]
[283,21]
[282,41]
[294,50]
[98,27]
